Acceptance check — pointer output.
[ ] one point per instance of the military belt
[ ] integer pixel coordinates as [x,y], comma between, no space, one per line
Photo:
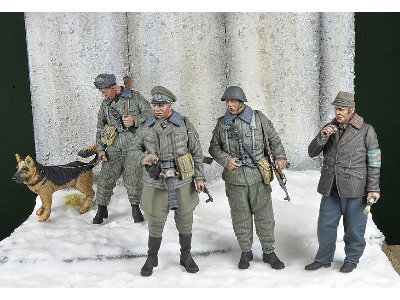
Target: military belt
[167,164]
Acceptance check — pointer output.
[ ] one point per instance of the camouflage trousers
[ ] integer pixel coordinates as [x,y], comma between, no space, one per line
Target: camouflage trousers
[246,203]
[155,207]
[119,164]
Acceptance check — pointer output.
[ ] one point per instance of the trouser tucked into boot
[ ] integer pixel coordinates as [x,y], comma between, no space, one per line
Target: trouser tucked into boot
[152,256]
[136,213]
[186,259]
[102,213]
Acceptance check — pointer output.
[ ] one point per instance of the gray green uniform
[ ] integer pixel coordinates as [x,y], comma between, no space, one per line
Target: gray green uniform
[119,154]
[155,194]
[247,194]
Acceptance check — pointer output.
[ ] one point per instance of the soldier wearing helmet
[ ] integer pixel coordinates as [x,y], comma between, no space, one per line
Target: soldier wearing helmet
[248,195]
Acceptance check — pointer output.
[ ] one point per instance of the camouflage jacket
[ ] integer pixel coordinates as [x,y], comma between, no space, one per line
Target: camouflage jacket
[145,144]
[354,160]
[224,145]
[139,108]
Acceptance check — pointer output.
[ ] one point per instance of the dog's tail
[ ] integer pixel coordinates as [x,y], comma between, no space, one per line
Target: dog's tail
[89,151]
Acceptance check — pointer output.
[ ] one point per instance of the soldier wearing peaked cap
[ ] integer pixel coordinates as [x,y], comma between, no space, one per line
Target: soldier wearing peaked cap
[171,145]
[121,112]
[349,177]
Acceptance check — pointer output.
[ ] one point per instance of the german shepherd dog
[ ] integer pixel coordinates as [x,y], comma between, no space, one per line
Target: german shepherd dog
[45,180]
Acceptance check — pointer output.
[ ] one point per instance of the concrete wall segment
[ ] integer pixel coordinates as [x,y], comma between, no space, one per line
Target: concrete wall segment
[274,57]
[66,51]
[290,65]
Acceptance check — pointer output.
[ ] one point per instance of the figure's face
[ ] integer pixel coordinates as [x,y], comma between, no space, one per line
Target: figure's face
[233,105]
[109,93]
[343,114]
[162,111]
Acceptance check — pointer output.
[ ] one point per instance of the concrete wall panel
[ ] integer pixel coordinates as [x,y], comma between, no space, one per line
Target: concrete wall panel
[290,66]
[66,51]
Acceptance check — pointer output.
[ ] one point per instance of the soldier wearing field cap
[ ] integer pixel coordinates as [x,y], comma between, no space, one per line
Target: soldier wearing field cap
[167,139]
[121,112]
[349,178]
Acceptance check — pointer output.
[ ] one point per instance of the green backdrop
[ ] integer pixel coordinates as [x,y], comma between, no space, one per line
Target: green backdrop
[377,69]
[377,90]
[16,128]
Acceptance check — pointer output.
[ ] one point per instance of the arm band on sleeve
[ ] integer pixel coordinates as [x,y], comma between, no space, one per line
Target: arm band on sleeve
[374,158]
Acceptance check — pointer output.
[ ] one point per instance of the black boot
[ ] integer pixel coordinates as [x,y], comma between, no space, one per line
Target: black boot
[273,260]
[152,256]
[186,259]
[102,212]
[136,213]
[245,260]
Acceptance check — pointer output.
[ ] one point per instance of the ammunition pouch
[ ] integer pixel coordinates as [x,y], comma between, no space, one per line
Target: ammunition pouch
[185,166]
[266,170]
[108,135]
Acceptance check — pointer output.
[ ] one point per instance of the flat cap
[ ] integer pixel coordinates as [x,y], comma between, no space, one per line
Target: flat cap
[161,95]
[104,81]
[344,99]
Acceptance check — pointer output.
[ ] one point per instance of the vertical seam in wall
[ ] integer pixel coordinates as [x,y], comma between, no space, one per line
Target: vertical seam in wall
[224,22]
[128,46]
[320,67]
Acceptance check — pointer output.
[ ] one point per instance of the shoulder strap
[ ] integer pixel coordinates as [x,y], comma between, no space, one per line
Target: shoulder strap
[189,132]
[157,144]
[264,132]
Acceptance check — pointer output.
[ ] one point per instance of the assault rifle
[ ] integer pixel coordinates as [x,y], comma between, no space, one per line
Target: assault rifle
[278,173]
[115,113]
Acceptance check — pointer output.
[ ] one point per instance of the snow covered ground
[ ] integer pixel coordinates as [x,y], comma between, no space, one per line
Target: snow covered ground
[68,251]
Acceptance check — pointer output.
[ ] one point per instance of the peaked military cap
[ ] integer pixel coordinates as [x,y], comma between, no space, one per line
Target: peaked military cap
[104,81]
[161,95]
[344,99]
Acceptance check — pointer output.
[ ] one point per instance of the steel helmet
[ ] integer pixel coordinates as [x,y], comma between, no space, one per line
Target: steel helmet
[234,92]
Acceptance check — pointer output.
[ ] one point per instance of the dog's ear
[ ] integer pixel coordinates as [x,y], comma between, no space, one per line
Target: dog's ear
[29,161]
[17,157]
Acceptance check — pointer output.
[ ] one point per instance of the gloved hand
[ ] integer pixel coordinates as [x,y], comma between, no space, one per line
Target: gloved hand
[154,170]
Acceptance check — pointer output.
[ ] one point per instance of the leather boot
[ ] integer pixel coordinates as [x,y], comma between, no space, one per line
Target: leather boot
[136,213]
[152,256]
[273,260]
[245,260]
[186,258]
[102,212]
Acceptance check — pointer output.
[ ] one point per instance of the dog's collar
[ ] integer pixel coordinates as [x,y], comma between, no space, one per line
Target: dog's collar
[40,178]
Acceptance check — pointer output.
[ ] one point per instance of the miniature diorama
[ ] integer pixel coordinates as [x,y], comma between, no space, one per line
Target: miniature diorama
[45,180]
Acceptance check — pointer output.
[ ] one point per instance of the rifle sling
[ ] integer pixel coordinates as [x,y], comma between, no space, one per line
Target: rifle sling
[264,133]
[245,146]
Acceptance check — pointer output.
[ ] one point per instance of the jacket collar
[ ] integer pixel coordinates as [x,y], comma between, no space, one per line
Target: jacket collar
[356,121]
[245,115]
[175,118]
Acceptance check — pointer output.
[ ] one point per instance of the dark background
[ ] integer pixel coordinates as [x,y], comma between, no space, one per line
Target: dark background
[16,127]
[377,91]
[377,69]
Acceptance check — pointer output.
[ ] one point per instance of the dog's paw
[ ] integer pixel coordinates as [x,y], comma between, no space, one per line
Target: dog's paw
[44,218]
